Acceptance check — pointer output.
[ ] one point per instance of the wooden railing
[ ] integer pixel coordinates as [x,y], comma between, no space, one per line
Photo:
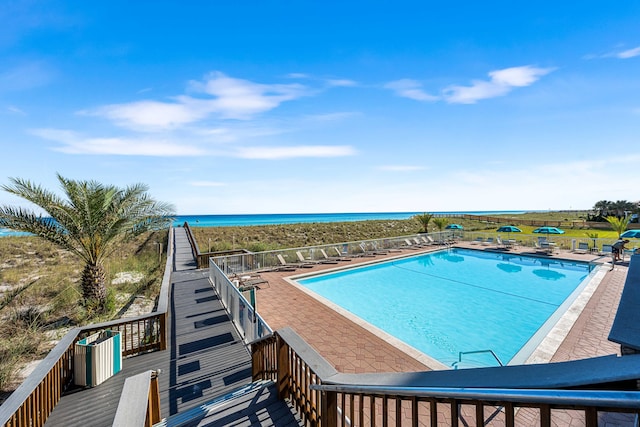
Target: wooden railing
[284,358]
[192,241]
[202,258]
[31,403]
[323,397]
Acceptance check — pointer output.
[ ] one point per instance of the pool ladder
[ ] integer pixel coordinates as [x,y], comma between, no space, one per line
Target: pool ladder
[495,356]
[455,366]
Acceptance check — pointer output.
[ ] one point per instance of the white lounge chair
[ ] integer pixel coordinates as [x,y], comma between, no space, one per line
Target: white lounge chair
[412,245]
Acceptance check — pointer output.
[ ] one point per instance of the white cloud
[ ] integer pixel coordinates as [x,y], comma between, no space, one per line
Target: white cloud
[276,153]
[629,53]
[333,117]
[501,82]
[297,76]
[401,168]
[217,94]
[73,143]
[16,110]
[341,83]
[207,184]
[411,89]
[25,76]
[149,115]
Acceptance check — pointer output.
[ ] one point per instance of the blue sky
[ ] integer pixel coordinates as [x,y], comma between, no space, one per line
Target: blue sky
[287,107]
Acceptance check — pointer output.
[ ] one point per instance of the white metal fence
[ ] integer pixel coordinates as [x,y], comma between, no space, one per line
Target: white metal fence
[246,319]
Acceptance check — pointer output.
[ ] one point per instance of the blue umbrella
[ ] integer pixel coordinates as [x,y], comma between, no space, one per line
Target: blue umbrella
[630,234]
[509,229]
[454,227]
[548,230]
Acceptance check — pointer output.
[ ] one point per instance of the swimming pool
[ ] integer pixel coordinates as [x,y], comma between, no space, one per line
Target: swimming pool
[460,300]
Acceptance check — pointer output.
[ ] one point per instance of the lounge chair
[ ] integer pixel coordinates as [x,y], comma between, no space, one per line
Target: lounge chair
[332,259]
[543,246]
[488,242]
[477,240]
[340,253]
[376,248]
[583,248]
[365,252]
[252,283]
[286,264]
[411,245]
[501,244]
[303,260]
[606,250]
[420,243]
[428,240]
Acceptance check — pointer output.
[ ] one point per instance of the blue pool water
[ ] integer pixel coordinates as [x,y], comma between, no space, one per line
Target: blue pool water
[459,300]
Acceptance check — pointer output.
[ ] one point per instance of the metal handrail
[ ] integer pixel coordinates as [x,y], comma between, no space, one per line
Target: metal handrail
[244,316]
[597,398]
[495,356]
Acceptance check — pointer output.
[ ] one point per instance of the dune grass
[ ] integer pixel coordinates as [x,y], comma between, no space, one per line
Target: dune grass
[40,293]
[273,237]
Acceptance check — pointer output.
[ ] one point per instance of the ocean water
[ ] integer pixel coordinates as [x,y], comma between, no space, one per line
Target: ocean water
[271,219]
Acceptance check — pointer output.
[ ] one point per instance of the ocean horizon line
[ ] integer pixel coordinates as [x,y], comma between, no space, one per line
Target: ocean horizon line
[229,220]
[255,219]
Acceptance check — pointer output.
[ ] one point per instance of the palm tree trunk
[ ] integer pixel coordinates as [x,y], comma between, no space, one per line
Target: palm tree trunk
[94,290]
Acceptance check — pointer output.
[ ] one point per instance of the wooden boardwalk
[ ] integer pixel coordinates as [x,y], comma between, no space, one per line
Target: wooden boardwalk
[205,356]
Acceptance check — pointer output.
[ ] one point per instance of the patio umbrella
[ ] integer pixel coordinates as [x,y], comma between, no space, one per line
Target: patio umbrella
[509,229]
[630,234]
[548,230]
[454,227]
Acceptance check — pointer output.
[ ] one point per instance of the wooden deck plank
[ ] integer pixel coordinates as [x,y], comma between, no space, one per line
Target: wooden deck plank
[205,356]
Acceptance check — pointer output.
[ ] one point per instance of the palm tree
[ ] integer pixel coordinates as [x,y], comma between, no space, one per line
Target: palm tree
[90,223]
[424,220]
[441,223]
[619,225]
